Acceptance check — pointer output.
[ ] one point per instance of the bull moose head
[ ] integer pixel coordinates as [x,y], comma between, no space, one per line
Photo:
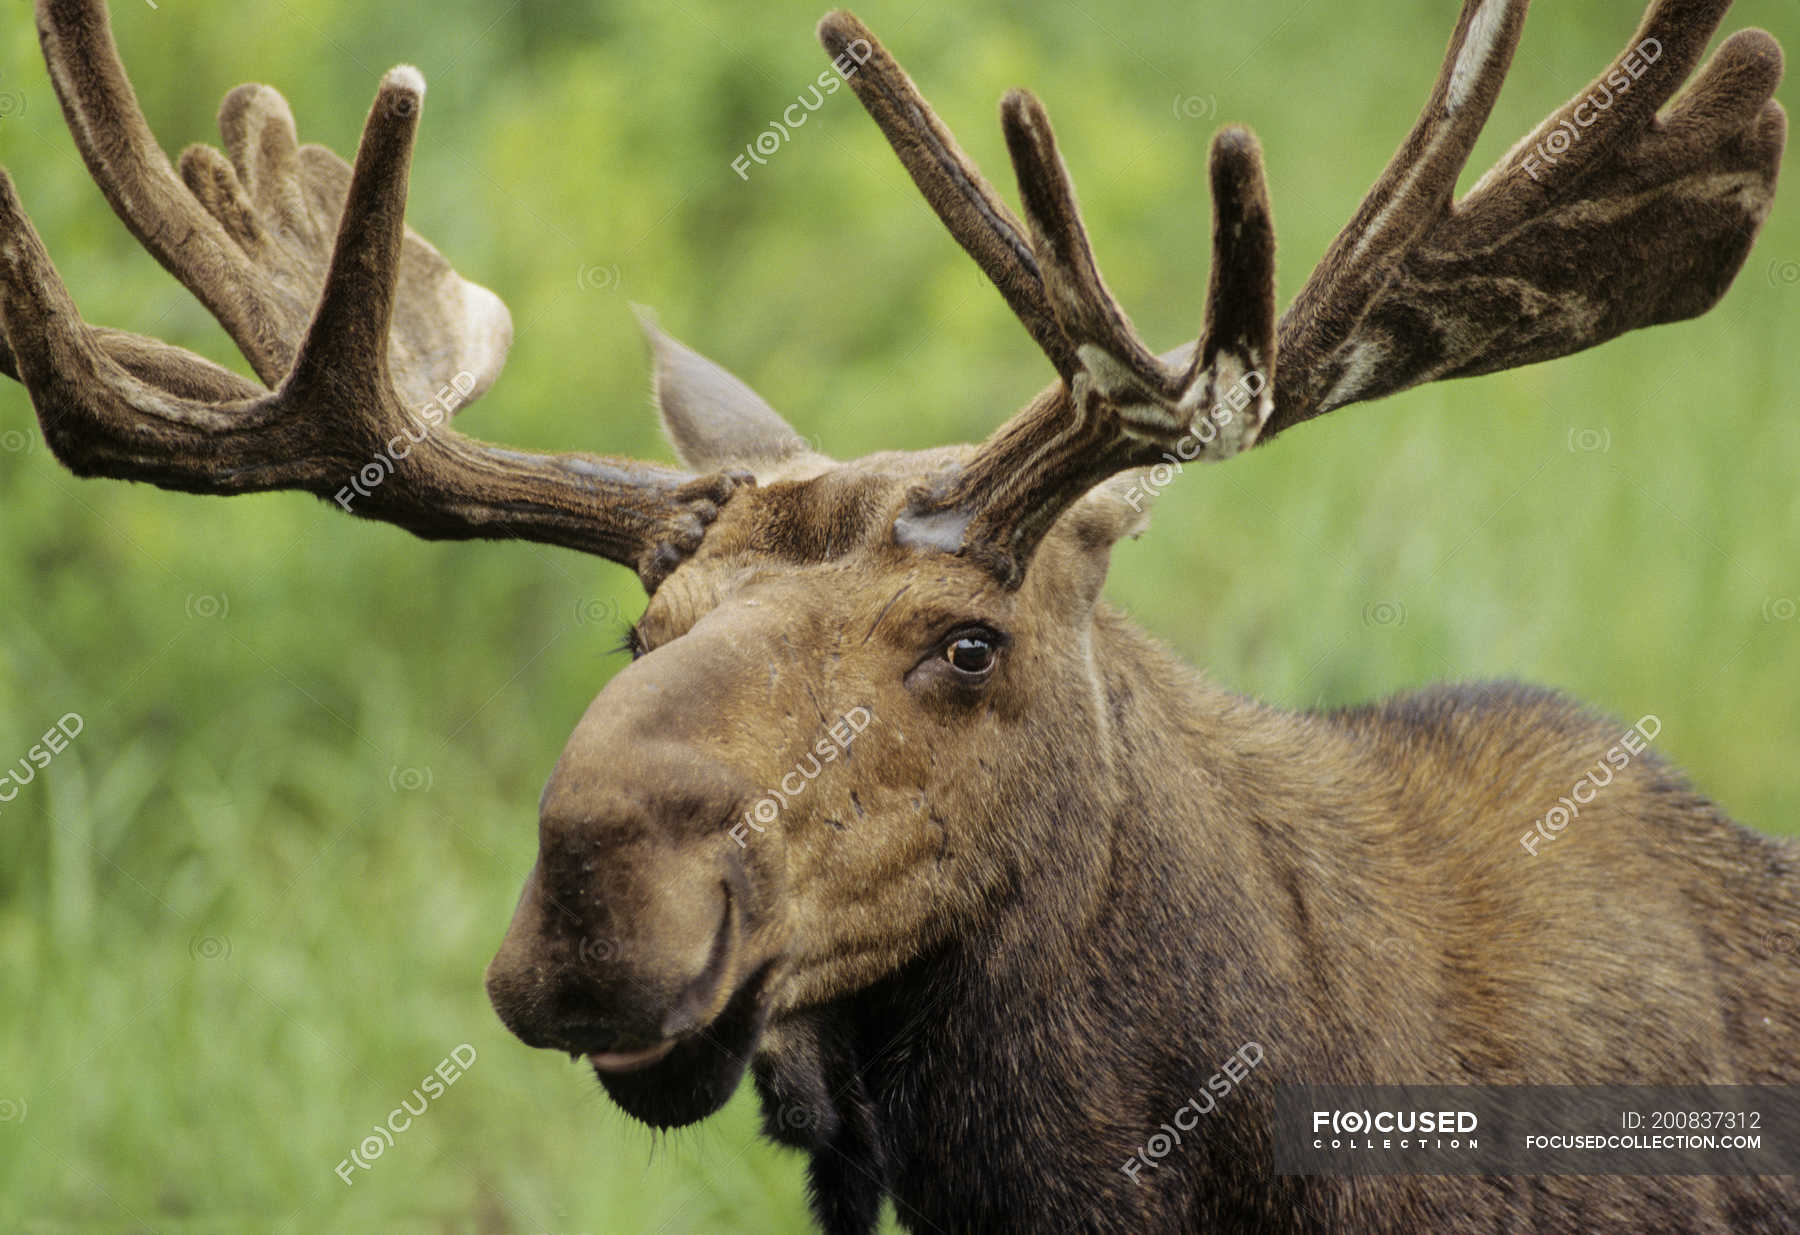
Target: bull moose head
[876,709]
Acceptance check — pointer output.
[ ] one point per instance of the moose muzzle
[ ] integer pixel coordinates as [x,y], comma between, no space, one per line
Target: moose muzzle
[630,943]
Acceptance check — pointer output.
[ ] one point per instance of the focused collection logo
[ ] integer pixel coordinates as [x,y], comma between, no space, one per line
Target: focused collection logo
[1394,1130]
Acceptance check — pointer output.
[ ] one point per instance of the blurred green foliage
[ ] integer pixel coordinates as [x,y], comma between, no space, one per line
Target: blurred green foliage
[250,907]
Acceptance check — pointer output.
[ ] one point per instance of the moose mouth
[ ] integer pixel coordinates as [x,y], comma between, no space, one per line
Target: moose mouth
[686,1079]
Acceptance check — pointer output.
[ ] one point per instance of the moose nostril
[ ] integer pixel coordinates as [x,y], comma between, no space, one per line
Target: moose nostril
[696,1004]
[670,938]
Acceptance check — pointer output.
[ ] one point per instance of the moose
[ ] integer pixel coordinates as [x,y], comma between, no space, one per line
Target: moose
[890,810]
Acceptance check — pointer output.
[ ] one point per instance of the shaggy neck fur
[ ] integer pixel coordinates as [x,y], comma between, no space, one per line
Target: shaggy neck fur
[1253,876]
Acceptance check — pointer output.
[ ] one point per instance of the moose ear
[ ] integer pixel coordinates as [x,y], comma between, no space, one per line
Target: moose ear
[712,419]
[1116,508]
[1075,557]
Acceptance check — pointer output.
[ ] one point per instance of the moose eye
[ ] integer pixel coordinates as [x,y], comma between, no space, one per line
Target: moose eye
[972,654]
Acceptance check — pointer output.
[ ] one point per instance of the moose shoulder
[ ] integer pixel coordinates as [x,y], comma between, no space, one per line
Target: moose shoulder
[981,884]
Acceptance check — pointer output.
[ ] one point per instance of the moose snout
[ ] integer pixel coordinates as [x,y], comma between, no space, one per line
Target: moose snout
[630,927]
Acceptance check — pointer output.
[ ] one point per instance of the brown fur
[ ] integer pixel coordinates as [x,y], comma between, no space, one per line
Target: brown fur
[993,936]
[995,948]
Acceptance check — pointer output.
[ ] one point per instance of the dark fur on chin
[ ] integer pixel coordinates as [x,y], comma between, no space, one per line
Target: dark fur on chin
[699,1075]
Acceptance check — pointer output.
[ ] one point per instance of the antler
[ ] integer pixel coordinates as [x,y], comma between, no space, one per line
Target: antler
[1605,219]
[1118,405]
[369,337]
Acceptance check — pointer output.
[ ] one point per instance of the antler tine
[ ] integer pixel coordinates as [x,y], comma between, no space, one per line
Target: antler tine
[1105,344]
[1414,190]
[1550,252]
[117,405]
[132,172]
[955,188]
[1678,32]
[343,359]
[155,363]
[1238,342]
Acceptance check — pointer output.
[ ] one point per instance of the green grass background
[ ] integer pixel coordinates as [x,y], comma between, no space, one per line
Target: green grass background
[250,908]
